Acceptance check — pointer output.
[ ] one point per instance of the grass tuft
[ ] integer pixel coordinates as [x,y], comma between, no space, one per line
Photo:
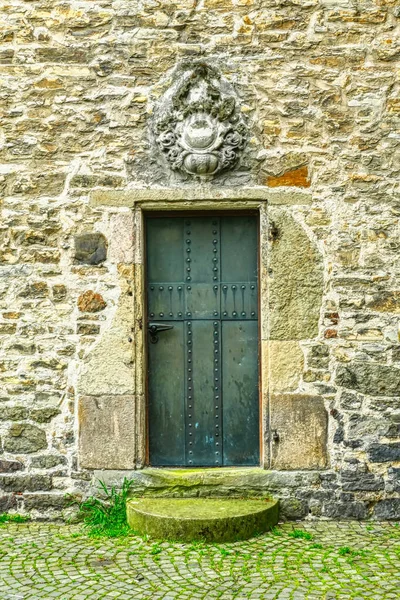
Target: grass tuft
[14,518]
[105,516]
[346,551]
[301,534]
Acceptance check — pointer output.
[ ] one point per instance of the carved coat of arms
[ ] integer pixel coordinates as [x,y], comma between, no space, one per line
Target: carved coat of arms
[197,124]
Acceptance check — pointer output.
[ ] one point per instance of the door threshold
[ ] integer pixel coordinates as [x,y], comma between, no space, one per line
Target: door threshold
[233,482]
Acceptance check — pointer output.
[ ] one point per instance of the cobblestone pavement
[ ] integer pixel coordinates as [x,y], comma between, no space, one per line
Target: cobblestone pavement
[307,560]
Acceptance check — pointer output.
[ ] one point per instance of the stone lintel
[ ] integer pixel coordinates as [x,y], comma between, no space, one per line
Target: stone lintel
[129,197]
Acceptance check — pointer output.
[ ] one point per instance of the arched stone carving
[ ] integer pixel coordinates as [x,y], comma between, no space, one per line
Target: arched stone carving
[197,125]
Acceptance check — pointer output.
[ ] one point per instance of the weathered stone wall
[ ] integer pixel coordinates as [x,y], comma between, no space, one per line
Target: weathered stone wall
[320,88]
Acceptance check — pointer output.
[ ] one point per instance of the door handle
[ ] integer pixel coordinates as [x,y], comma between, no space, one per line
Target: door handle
[155,328]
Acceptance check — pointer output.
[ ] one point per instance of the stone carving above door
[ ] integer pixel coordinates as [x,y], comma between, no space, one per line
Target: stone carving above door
[197,125]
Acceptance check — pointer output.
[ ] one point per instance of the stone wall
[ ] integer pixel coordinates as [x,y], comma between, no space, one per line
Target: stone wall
[320,89]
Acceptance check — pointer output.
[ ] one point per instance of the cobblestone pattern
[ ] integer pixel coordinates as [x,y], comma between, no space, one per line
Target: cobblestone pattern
[319,83]
[352,561]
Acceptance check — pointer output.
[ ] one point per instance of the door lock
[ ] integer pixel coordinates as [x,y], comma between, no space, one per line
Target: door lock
[155,328]
[275,436]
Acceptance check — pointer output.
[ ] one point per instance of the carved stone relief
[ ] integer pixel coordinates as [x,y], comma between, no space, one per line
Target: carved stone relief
[197,124]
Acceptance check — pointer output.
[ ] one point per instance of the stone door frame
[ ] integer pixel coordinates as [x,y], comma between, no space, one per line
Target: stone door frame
[140,351]
[281,203]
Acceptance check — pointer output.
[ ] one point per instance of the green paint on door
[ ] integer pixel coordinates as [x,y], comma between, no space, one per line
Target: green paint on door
[203,369]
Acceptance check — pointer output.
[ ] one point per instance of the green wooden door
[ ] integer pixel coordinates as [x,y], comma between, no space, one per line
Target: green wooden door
[202,308]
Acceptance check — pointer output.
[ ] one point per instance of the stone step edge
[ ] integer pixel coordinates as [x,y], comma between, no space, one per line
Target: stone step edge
[144,518]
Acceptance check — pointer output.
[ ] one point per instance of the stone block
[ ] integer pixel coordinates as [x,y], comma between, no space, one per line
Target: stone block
[296,177]
[293,508]
[387,510]
[9,466]
[128,198]
[91,302]
[13,413]
[42,502]
[44,415]
[90,248]
[7,503]
[8,328]
[396,354]
[373,379]
[38,289]
[350,401]
[121,238]
[295,280]
[345,510]
[23,437]
[47,461]
[88,329]
[107,432]
[385,302]
[361,482]
[301,422]
[283,363]
[20,483]
[394,479]
[59,292]
[109,368]
[384,452]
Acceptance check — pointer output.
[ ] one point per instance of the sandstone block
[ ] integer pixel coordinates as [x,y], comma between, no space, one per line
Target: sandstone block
[109,367]
[106,432]
[283,363]
[301,424]
[121,240]
[295,282]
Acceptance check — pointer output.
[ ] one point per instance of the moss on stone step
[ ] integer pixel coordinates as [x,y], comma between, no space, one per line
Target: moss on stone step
[209,519]
[224,482]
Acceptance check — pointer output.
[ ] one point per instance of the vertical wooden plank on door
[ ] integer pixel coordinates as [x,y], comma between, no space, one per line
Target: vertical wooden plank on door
[166,398]
[239,308]
[166,358]
[240,393]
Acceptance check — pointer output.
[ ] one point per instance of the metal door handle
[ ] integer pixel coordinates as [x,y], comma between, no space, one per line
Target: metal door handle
[155,328]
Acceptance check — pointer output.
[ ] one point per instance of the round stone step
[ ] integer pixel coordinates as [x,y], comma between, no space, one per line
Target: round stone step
[209,519]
